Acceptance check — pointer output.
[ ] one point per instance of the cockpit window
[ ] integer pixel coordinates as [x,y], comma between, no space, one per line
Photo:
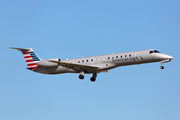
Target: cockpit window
[156,51]
[151,52]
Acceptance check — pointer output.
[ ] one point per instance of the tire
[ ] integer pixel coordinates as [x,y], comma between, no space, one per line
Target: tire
[93,79]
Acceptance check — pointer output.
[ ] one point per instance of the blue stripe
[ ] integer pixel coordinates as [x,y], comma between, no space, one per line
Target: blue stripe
[33,56]
[31,52]
[36,59]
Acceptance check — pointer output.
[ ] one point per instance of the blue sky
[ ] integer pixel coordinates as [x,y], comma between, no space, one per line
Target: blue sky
[72,29]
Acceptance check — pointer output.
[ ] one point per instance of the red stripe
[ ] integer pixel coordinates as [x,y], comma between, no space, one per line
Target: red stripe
[30,60]
[27,57]
[32,64]
[33,67]
[25,53]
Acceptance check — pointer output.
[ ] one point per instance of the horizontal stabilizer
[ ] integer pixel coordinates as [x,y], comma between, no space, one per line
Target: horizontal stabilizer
[23,50]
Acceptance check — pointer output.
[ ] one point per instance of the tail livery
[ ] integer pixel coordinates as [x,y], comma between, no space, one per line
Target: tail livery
[30,56]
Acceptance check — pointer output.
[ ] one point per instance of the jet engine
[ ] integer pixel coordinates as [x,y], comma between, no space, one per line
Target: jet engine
[46,63]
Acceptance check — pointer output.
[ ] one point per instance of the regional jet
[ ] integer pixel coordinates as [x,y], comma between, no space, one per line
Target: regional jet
[91,65]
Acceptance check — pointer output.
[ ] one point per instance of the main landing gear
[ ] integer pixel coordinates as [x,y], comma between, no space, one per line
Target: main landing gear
[93,78]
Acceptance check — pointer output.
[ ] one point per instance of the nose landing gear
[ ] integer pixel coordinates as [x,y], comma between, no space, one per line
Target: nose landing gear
[162,67]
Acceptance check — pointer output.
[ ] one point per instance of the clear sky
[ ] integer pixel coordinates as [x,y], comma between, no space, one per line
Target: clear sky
[72,29]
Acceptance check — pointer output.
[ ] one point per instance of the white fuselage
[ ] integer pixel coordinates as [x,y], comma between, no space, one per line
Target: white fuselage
[107,62]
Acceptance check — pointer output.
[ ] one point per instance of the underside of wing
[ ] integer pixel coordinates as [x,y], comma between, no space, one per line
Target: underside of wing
[77,67]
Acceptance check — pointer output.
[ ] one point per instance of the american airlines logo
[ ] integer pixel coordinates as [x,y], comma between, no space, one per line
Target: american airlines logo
[125,59]
[141,57]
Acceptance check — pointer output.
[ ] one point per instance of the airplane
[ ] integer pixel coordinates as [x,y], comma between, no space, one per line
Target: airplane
[91,65]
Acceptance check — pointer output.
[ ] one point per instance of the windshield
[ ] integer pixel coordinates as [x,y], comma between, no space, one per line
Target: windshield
[156,51]
[153,51]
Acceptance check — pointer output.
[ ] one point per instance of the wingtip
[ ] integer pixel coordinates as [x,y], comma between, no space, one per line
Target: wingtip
[11,48]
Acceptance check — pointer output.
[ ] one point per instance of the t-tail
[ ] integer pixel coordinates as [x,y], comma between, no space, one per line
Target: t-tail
[30,56]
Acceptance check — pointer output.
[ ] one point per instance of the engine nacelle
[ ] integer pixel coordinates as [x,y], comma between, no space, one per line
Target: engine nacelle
[46,63]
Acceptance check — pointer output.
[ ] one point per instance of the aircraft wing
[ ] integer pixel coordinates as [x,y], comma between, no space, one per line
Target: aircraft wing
[76,67]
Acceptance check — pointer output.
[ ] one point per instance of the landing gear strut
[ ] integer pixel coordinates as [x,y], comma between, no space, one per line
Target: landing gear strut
[93,78]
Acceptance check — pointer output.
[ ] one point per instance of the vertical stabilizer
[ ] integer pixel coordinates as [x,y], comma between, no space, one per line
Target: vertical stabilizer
[30,56]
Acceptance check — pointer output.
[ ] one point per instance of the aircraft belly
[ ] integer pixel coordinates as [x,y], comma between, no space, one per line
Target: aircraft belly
[55,70]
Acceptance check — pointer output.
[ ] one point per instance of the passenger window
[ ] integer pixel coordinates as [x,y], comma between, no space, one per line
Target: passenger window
[82,60]
[99,58]
[86,60]
[78,61]
[129,55]
[95,59]
[104,58]
[116,56]
[112,57]
[108,57]
[121,56]
[125,55]
[91,59]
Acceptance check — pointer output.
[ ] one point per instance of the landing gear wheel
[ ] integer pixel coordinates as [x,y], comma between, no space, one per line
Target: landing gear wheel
[93,79]
[81,76]
[162,67]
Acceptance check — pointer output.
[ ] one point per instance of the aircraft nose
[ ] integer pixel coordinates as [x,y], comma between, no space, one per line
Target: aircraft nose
[167,56]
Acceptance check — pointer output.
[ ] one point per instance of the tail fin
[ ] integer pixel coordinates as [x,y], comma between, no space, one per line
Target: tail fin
[30,56]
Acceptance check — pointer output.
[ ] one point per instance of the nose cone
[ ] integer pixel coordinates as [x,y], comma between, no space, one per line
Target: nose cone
[164,56]
[169,57]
